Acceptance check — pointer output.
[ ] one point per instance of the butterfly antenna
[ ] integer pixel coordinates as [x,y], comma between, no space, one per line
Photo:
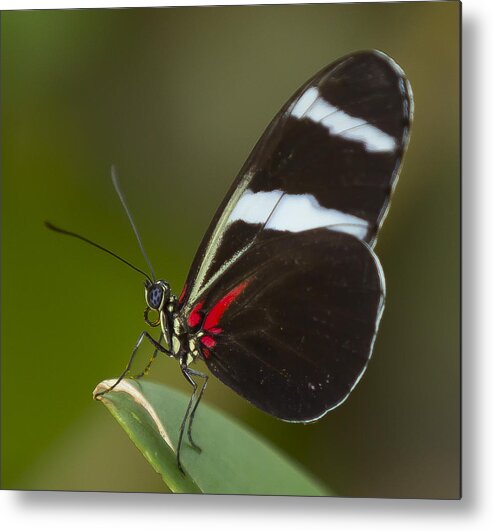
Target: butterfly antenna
[116,184]
[52,227]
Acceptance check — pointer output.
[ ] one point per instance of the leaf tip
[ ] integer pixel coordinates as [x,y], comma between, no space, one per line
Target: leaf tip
[102,388]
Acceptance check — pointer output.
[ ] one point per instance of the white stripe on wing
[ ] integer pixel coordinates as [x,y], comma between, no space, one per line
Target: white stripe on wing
[294,213]
[312,106]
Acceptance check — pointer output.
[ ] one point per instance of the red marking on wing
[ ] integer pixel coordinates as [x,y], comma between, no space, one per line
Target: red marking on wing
[208,341]
[194,318]
[182,294]
[214,316]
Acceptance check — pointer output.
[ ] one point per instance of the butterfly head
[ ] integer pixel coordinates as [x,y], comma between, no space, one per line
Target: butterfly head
[157,294]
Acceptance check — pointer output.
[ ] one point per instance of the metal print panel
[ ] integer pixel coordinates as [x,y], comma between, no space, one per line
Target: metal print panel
[260,359]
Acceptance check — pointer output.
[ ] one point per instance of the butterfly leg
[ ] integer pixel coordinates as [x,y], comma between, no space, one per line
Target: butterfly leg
[192,414]
[143,335]
[153,357]
[189,413]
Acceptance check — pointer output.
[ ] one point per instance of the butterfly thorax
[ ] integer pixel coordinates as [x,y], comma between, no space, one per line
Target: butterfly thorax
[182,342]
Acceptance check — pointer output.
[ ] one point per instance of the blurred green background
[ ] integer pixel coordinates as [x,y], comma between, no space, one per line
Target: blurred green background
[177,98]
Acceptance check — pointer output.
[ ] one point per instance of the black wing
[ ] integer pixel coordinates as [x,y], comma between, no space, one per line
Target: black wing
[329,158]
[291,324]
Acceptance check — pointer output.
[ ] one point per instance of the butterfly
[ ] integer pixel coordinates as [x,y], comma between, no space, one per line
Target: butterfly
[285,294]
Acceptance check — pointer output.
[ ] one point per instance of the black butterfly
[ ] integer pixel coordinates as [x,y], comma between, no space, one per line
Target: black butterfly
[285,294]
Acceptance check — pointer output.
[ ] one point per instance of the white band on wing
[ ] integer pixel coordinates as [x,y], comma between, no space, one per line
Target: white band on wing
[294,213]
[315,108]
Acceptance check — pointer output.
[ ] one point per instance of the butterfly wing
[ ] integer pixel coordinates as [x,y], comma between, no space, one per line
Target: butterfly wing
[291,325]
[285,287]
[330,157]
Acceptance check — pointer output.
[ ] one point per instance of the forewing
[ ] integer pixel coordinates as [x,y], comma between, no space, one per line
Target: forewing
[330,158]
[291,325]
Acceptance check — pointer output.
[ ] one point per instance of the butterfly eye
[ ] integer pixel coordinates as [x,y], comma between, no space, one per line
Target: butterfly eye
[154,297]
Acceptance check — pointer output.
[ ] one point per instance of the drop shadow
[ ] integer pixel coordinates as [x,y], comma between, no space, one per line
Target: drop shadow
[470,245]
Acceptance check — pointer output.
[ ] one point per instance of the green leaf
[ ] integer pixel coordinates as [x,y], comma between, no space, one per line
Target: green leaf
[233,459]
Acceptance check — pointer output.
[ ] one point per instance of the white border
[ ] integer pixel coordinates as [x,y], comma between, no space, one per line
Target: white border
[76,511]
